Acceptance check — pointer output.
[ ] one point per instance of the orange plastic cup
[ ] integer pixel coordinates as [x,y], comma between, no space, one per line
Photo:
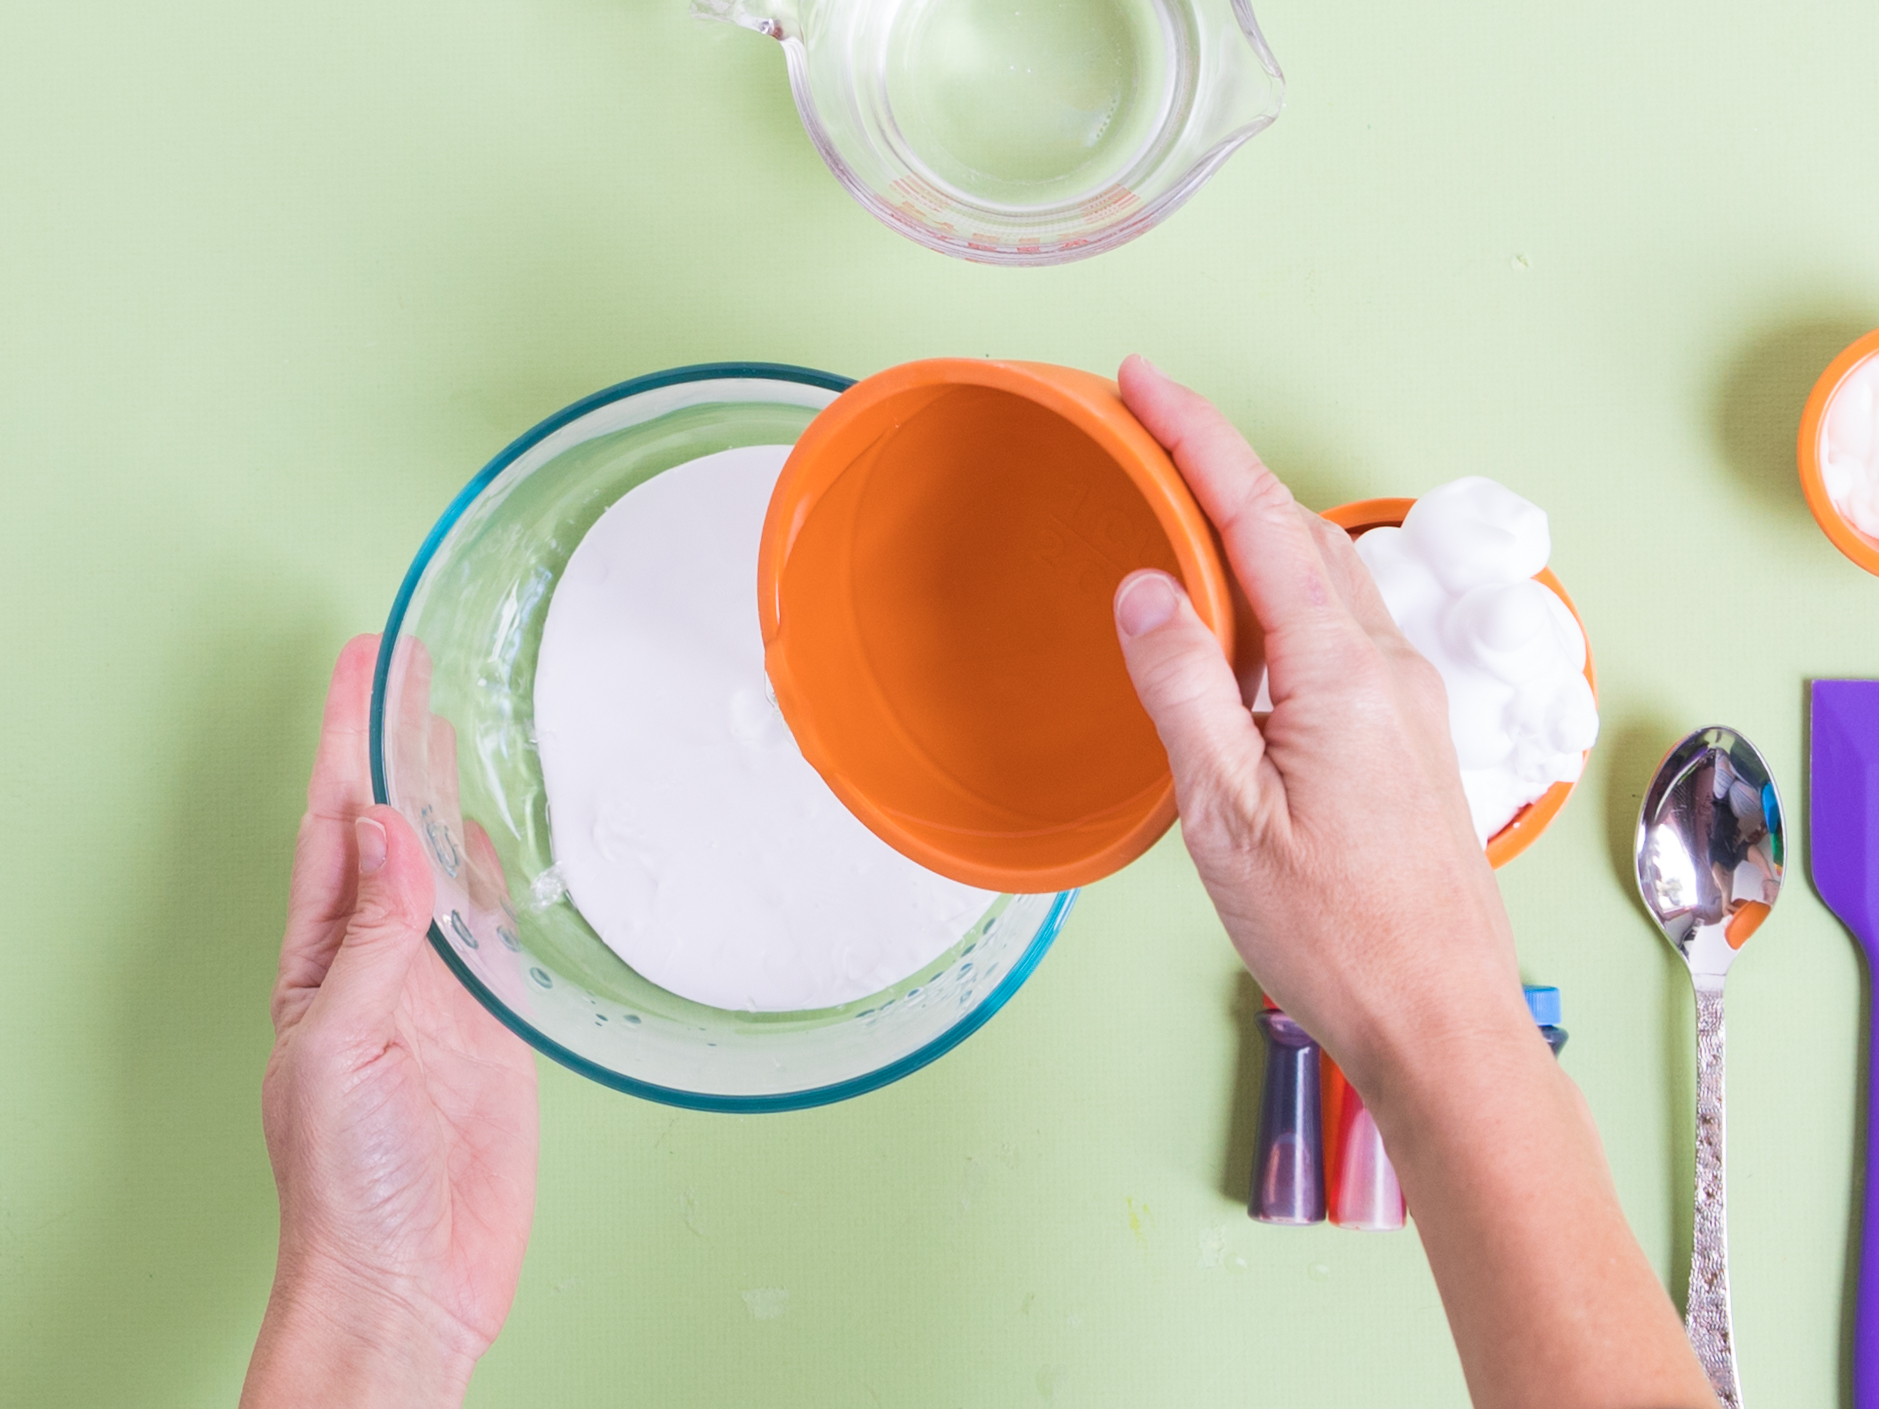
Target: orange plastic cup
[1358,519]
[935,583]
[1862,548]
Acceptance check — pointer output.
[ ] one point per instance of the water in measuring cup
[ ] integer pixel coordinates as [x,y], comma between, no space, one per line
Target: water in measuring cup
[1030,102]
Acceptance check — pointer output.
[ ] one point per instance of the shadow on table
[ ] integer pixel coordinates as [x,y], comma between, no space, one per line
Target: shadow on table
[1631,748]
[1758,401]
[165,1266]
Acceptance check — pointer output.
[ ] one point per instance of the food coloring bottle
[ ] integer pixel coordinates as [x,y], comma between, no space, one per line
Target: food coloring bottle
[1543,1003]
[1288,1157]
[1360,1180]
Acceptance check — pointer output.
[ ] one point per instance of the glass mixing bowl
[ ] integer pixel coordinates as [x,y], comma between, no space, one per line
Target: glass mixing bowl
[1021,133]
[452,748]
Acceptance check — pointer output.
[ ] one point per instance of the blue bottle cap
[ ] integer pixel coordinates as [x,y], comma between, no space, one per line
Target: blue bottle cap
[1543,1003]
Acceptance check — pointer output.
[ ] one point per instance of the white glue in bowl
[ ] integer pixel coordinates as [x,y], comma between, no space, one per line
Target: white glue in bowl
[453,748]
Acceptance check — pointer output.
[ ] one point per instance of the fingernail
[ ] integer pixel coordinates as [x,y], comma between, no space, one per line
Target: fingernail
[370,836]
[1153,368]
[1147,600]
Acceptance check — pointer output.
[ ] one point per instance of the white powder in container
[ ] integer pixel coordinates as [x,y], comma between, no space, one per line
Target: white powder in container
[1849,447]
[687,827]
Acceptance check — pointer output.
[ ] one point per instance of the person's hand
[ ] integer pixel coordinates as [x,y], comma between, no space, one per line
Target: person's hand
[400,1116]
[1334,837]
[1335,841]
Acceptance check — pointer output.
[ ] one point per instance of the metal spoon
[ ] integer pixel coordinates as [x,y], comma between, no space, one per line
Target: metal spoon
[1709,853]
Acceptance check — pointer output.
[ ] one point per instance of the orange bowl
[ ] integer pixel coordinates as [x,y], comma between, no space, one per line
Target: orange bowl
[936,579]
[1862,548]
[1359,518]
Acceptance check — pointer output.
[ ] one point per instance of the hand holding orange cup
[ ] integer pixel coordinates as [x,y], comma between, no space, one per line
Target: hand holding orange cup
[935,586]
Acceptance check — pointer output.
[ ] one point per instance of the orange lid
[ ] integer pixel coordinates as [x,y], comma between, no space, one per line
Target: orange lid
[935,585]
[1860,547]
[1527,824]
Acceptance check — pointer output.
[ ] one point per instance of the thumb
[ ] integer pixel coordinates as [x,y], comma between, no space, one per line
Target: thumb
[387,927]
[1184,680]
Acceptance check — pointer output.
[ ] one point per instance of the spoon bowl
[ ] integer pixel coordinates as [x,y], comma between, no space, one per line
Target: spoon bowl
[1710,853]
[1710,848]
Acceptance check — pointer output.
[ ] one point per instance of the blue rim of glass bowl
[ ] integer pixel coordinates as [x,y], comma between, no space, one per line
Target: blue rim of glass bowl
[669,1095]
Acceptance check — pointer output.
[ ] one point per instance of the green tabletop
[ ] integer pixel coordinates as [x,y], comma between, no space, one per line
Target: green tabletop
[275,280]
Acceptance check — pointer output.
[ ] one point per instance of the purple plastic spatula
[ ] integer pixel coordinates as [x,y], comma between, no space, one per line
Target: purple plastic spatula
[1843,846]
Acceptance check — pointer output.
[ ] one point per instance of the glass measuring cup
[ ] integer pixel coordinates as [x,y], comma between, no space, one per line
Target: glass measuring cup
[1021,131]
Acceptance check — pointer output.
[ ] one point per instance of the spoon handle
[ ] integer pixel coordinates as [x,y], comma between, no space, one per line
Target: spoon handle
[1707,1317]
[1866,1314]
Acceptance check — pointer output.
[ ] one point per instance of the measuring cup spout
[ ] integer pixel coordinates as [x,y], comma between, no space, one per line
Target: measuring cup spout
[776,18]
[1246,88]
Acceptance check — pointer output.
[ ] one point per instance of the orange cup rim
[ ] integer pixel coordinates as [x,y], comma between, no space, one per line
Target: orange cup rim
[1861,548]
[1527,824]
[1099,414]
